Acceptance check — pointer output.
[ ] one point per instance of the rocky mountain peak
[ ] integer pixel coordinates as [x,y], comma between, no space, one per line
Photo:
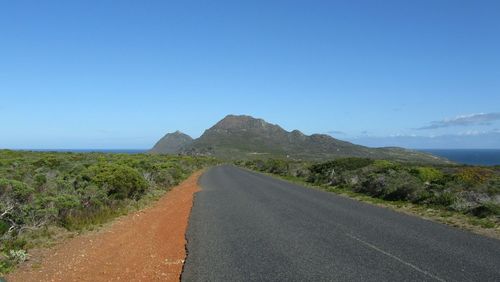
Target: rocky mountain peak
[242,122]
[172,143]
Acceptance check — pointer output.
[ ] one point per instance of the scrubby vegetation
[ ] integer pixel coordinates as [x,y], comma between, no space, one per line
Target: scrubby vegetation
[470,190]
[42,194]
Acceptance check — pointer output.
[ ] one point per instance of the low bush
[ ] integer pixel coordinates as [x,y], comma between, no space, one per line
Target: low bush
[384,165]
[395,187]
[120,181]
[330,171]
[428,174]
[444,198]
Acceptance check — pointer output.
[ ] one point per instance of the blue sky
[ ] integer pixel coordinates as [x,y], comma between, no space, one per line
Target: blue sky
[120,74]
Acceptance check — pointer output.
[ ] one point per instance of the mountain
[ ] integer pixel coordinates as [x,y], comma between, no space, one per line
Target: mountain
[172,143]
[243,137]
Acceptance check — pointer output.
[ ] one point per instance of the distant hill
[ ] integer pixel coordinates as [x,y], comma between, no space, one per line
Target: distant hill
[244,137]
[172,143]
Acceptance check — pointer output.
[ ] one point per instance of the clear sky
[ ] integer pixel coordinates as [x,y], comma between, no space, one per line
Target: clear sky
[120,74]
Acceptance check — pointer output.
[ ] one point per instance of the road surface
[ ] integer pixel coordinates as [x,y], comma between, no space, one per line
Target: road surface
[246,226]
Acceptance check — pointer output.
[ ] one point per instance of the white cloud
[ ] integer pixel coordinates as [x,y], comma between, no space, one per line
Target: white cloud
[464,120]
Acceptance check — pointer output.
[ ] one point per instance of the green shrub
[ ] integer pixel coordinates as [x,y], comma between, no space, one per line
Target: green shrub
[400,186]
[164,178]
[373,185]
[92,196]
[176,172]
[47,161]
[404,187]
[493,186]
[16,190]
[120,181]
[340,164]
[14,244]
[65,203]
[4,227]
[278,167]
[384,165]
[5,265]
[445,199]
[40,179]
[428,174]
[331,172]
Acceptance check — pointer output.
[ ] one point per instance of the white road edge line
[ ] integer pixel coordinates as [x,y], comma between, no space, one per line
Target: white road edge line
[395,257]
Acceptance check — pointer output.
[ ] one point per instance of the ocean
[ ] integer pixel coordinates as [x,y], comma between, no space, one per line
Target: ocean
[487,157]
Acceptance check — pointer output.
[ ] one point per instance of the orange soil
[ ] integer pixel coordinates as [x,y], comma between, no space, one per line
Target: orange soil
[148,245]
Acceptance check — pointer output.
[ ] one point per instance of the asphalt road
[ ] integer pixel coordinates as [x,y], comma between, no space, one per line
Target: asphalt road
[246,226]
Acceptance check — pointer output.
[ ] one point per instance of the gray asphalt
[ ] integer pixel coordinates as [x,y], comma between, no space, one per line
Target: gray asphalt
[247,226]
